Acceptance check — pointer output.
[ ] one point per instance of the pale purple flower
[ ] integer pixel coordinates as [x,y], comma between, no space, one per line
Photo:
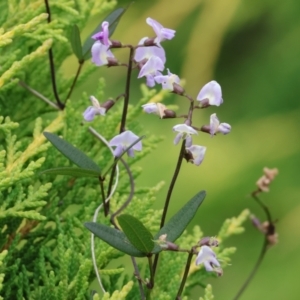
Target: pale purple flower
[123,141]
[161,32]
[184,132]
[100,54]
[167,80]
[154,108]
[103,36]
[211,94]
[142,53]
[215,126]
[198,153]
[207,257]
[151,69]
[93,110]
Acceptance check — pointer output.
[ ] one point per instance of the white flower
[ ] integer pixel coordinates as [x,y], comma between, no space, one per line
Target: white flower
[184,132]
[215,126]
[154,108]
[207,257]
[123,140]
[94,110]
[210,94]
[198,153]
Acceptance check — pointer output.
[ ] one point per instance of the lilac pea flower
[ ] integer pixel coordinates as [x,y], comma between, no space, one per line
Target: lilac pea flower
[167,80]
[123,141]
[93,110]
[100,54]
[198,153]
[142,53]
[210,94]
[154,108]
[103,36]
[161,32]
[184,132]
[216,126]
[207,257]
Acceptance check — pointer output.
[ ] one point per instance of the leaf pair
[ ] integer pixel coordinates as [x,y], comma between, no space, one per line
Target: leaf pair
[83,52]
[136,240]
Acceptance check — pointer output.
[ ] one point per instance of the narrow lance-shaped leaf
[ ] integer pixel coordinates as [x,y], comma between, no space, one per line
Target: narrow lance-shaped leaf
[76,42]
[72,153]
[113,20]
[178,223]
[139,236]
[71,171]
[114,238]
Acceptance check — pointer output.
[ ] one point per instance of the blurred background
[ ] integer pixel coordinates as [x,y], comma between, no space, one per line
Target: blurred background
[252,48]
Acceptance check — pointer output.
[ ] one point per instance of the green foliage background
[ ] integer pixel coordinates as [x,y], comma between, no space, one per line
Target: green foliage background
[251,48]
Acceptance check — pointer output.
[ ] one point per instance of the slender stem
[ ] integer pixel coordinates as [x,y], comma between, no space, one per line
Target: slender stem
[75,80]
[51,62]
[264,249]
[105,204]
[138,277]
[169,194]
[37,94]
[185,275]
[125,107]
[150,284]
[172,184]
[253,272]
[263,206]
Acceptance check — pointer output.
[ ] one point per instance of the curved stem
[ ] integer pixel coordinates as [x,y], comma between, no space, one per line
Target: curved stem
[253,272]
[51,62]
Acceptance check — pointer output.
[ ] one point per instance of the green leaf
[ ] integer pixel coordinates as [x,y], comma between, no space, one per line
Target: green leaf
[114,238]
[73,154]
[113,20]
[178,223]
[75,172]
[138,235]
[76,42]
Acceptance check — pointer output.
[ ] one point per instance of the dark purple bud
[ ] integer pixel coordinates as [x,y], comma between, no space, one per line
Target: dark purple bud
[111,62]
[108,104]
[177,89]
[205,128]
[150,42]
[115,44]
[169,114]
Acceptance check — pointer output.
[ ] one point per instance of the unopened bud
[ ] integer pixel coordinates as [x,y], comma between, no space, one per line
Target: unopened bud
[205,128]
[177,89]
[150,42]
[111,62]
[115,44]
[169,114]
[209,241]
[108,104]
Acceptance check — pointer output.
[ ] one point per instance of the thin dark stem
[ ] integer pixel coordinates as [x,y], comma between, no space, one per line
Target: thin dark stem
[74,81]
[101,180]
[138,277]
[185,275]
[253,272]
[263,206]
[51,62]
[264,247]
[150,285]
[169,194]
[125,108]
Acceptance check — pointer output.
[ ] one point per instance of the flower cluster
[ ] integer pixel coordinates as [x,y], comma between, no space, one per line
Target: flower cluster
[150,58]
